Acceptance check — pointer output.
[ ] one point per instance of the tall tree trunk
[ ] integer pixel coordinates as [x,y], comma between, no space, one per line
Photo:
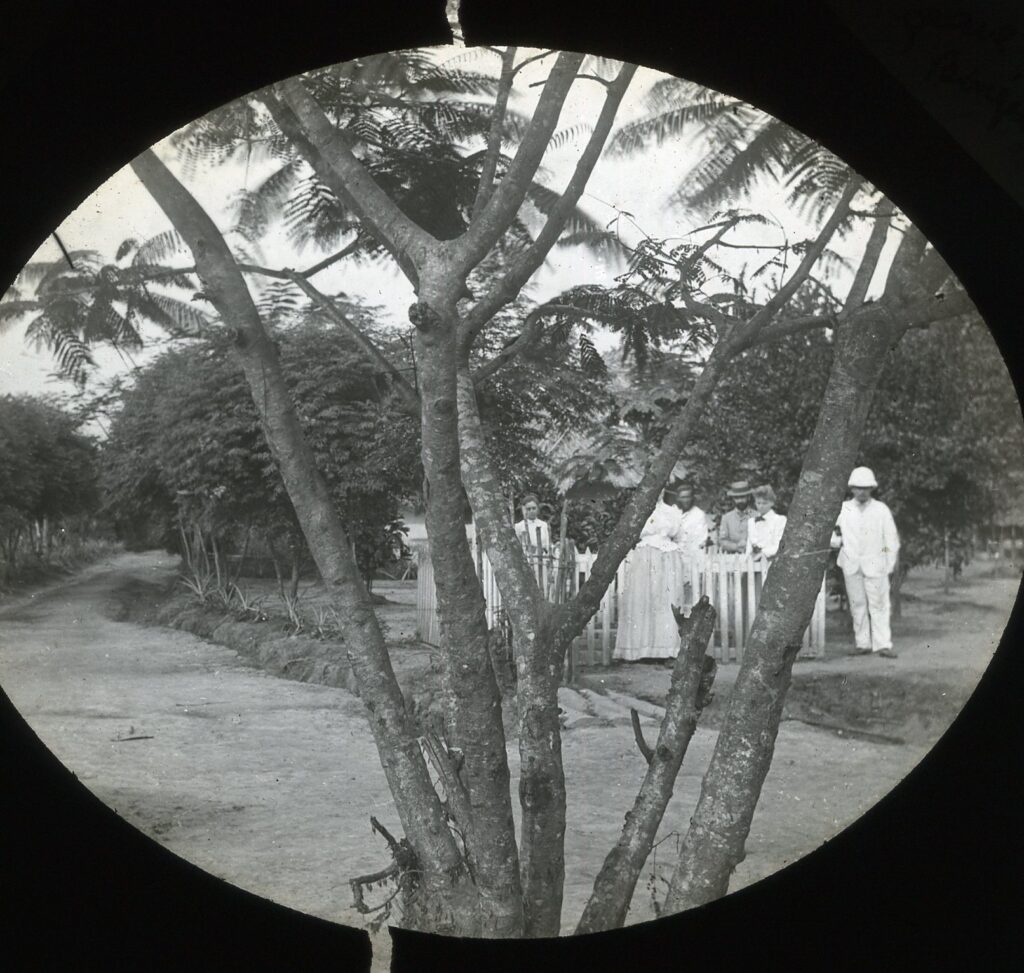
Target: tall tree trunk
[714,844]
[542,779]
[541,785]
[446,900]
[691,682]
[471,696]
[896,580]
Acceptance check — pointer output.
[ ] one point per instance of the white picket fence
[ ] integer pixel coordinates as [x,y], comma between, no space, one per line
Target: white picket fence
[732,582]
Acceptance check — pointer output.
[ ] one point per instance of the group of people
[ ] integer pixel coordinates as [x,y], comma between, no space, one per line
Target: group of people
[679,535]
[675,539]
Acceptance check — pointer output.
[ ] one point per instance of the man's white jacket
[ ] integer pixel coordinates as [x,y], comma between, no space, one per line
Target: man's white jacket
[869,539]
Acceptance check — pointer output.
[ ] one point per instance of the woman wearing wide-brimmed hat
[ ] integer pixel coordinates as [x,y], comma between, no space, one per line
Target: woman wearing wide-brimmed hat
[654,581]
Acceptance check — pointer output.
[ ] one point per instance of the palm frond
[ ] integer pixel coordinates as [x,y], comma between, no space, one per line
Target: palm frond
[254,210]
[12,311]
[57,331]
[571,135]
[730,172]
[178,318]
[673,122]
[591,362]
[436,79]
[544,200]
[159,248]
[279,302]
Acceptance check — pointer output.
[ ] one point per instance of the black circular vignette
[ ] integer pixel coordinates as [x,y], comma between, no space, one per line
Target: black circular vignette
[929,876]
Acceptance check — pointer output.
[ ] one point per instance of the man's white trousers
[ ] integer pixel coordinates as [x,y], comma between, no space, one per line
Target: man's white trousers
[869,606]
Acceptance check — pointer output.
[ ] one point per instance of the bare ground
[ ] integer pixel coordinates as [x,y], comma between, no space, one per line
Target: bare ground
[269,783]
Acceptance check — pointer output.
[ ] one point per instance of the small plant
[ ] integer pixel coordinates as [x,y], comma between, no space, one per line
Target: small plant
[295,619]
[325,622]
[202,584]
[246,607]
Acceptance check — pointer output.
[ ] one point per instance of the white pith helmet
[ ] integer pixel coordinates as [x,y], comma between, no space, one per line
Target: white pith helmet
[862,477]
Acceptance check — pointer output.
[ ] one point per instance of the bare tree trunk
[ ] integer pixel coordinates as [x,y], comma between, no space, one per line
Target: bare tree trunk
[691,683]
[294,554]
[276,562]
[471,695]
[541,787]
[896,579]
[242,556]
[446,900]
[538,674]
[714,843]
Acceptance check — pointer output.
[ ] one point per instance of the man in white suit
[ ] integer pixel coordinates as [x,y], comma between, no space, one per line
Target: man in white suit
[866,534]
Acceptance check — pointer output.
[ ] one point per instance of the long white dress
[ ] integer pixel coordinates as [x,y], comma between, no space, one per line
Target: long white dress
[655,580]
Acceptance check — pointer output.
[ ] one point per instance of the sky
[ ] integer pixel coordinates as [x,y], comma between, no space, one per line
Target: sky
[640,185]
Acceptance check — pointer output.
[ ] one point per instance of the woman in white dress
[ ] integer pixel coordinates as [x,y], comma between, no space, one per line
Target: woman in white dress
[655,580]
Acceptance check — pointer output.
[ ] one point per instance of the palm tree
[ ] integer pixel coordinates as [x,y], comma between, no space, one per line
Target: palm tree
[742,146]
[422,129]
[78,302]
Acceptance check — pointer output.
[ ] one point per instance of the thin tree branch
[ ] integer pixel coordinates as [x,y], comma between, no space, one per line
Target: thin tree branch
[486,184]
[510,284]
[496,216]
[302,120]
[575,613]
[594,77]
[332,259]
[520,594]
[529,334]
[692,675]
[869,261]
[529,60]
[374,355]
[638,734]
[743,337]
[456,796]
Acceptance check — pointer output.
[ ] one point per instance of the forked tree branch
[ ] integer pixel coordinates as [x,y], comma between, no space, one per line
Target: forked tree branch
[523,267]
[494,218]
[327,150]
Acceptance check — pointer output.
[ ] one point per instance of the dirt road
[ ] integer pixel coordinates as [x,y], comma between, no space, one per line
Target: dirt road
[269,783]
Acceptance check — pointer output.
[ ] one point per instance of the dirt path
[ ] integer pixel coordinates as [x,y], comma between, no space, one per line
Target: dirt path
[261,780]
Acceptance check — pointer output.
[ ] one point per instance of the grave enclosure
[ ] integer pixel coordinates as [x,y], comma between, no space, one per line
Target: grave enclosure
[732,583]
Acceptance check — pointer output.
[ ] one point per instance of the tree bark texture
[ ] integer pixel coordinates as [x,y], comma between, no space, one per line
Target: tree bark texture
[447,894]
[541,787]
[472,700]
[691,681]
[714,843]
[538,672]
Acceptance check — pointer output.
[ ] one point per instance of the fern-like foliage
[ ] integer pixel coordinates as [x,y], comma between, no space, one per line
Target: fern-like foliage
[740,145]
[70,308]
[418,125]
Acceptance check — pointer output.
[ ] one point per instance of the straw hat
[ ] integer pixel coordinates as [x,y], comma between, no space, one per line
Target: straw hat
[740,488]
